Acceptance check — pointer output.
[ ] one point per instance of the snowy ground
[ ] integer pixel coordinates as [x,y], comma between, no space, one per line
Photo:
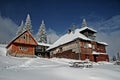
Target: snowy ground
[12,68]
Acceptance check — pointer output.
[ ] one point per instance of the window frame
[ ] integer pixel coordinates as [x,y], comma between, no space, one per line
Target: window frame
[23,48]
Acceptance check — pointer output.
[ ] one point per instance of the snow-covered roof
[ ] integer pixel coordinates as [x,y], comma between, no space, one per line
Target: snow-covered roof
[19,36]
[68,38]
[84,28]
[44,44]
[97,53]
[94,52]
[72,36]
[102,43]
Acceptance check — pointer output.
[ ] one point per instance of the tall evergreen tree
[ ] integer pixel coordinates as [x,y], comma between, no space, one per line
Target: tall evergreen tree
[84,23]
[42,35]
[28,25]
[114,58]
[118,56]
[73,27]
[20,28]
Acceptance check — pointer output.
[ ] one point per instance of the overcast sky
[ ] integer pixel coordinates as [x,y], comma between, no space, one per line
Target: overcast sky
[102,15]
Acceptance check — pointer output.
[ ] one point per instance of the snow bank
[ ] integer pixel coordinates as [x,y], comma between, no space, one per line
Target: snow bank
[14,68]
[2,50]
[63,60]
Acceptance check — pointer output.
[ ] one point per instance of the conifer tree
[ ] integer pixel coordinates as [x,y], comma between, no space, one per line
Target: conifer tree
[114,58]
[28,25]
[84,23]
[42,35]
[20,28]
[118,56]
[73,27]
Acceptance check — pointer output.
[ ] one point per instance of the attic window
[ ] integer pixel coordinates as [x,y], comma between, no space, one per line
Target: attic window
[93,46]
[24,36]
[87,45]
[60,49]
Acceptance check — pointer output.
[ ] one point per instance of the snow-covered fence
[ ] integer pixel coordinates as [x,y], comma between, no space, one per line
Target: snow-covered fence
[82,64]
[117,62]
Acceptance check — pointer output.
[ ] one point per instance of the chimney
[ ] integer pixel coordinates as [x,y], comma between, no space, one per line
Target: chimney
[69,31]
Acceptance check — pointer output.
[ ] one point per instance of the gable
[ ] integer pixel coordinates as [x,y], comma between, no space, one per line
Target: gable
[24,38]
[88,28]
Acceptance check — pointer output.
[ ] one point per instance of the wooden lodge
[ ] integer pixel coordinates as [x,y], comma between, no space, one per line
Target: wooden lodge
[22,45]
[80,44]
[77,44]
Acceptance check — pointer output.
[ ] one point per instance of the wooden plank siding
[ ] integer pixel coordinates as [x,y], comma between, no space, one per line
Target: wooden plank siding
[67,54]
[22,45]
[86,48]
[25,38]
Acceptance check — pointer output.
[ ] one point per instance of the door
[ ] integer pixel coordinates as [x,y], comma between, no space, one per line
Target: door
[95,58]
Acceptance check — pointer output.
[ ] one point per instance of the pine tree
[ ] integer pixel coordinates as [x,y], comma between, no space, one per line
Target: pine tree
[20,28]
[73,27]
[28,25]
[114,58]
[118,56]
[84,23]
[42,35]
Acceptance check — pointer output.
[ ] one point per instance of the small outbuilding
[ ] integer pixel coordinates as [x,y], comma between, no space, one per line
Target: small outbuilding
[40,50]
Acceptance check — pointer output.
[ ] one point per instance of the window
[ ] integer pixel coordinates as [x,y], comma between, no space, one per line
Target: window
[93,46]
[41,48]
[89,45]
[86,56]
[23,48]
[85,45]
[61,49]
[24,36]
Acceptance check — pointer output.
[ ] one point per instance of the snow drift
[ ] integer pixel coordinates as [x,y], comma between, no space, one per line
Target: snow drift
[14,68]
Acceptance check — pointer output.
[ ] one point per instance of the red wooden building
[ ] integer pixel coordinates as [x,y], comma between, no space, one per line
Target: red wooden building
[80,44]
[22,45]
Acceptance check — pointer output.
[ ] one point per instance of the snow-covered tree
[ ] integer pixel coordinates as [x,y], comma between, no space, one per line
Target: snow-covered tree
[114,58]
[20,28]
[84,23]
[28,25]
[42,35]
[118,56]
[73,27]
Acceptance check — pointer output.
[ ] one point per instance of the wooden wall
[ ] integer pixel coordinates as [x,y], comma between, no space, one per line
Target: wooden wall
[67,54]
[25,38]
[16,50]
[86,49]
[23,45]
